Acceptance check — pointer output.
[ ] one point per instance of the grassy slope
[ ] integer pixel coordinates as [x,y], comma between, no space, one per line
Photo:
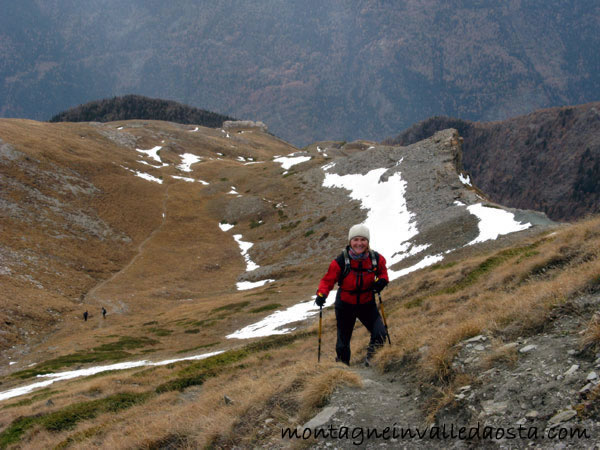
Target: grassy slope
[178,301]
[502,292]
[171,295]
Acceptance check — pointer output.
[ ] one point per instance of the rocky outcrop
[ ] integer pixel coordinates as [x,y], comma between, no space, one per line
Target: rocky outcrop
[436,190]
[548,160]
[244,124]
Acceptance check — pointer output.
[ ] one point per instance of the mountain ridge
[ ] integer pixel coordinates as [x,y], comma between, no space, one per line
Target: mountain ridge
[548,160]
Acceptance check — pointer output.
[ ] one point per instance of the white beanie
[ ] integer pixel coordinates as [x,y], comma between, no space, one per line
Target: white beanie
[359,230]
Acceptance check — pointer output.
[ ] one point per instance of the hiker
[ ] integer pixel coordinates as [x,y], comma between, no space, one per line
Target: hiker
[85,316]
[103,312]
[359,272]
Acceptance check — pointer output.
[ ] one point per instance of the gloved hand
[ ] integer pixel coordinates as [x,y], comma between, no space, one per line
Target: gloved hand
[380,283]
[320,299]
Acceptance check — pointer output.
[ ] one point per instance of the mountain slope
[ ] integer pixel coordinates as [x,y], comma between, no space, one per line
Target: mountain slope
[548,160]
[98,235]
[320,71]
[154,220]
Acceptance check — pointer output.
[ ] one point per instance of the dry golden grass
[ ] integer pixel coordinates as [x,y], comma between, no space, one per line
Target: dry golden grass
[591,338]
[445,396]
[319,388]
[283,386]
[500,293]
[517,294]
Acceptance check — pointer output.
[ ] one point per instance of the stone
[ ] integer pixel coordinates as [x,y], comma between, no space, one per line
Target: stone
[592,376]
[572,370]
[228,400]
[321,418]
[231,124]
[528,348]
[480,338]
[532,414]
[491,407]
[563,416]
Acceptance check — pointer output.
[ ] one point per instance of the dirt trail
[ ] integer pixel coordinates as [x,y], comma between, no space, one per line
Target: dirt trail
[383,404]
[93,297]
[542,398]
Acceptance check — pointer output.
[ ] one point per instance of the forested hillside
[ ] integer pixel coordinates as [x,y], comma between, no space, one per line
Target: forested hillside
[548,160]
[138,107]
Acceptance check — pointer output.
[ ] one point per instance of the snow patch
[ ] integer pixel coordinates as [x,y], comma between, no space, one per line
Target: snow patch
[425,262]
[144,175]
[151,165]
[494,222]
[326,167]
[291,160]
[234,192]
[465,179]
[54,377]
[247,285]
[245,246]
[189,180]
[152,153]
[389,220]
[273,323]
[187,159]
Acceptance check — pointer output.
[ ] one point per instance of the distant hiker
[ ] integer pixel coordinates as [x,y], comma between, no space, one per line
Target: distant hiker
[359,272]
[103,312]
[85,316]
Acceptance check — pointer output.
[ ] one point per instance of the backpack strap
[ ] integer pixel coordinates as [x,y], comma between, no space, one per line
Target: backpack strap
[343,261]
[374,259]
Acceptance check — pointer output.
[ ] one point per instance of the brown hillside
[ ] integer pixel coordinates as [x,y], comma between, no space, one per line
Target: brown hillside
[81,231]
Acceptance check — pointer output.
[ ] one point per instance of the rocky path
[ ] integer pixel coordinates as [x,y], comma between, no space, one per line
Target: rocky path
[378,414]
[538,397]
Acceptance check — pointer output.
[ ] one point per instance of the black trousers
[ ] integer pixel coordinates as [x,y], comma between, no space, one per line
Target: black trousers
[346,315]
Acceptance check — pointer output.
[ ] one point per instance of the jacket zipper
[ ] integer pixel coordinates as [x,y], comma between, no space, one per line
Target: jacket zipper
[359,283]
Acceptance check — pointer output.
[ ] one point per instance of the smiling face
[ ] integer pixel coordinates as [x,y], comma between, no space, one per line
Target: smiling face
[359,244]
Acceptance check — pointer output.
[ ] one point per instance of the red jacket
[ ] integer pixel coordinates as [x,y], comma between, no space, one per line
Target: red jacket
[357,286]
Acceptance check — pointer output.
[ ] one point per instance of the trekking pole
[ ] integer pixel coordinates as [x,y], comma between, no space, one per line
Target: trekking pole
[384,319]
[320,323]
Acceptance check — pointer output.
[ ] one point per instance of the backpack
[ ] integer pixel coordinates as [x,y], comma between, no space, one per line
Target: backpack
[344,262]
